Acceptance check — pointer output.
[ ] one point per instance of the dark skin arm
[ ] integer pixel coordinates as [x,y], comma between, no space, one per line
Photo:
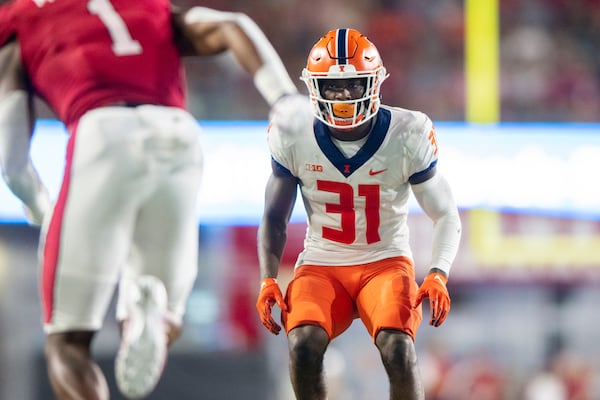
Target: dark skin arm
[209,38]
[280,197]
[13,77]
[11,74]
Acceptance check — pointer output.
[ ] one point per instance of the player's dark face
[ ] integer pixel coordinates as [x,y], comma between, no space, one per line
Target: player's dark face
[343,89]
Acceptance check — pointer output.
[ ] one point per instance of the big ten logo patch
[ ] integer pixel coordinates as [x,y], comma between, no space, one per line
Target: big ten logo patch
[314,167]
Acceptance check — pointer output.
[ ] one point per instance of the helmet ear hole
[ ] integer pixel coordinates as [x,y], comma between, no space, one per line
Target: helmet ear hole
[344,54]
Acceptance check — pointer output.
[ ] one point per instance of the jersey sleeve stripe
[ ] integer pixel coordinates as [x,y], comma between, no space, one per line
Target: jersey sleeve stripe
[279,169]
[422,176]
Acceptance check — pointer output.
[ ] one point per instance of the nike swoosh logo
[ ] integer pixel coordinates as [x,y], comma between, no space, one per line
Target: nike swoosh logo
[372,173]
[437,278]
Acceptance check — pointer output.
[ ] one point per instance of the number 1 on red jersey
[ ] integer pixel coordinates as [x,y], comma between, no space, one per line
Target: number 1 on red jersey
[123,43]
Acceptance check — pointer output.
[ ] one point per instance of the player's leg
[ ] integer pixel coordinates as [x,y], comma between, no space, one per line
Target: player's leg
[166,247]
[82,251]
[321,309]
[385,307]
[72,371]
[307,345]
[400,361]
[165,238]
[164,257]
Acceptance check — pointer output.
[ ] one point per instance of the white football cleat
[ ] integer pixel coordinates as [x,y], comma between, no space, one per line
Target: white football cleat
[143,351]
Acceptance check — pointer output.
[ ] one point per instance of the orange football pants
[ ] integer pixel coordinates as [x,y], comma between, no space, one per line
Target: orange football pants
[381,294]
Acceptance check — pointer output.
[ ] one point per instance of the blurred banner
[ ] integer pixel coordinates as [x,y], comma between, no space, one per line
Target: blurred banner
[527,193]
[537,169]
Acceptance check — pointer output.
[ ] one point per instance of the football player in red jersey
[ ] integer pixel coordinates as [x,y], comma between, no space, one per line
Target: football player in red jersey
[111,71]
[356,162]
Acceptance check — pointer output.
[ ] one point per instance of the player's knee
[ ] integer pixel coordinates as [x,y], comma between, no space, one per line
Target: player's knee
[307,345]
[397,349]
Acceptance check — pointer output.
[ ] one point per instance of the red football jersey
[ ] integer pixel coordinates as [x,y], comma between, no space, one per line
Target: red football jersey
[82,54]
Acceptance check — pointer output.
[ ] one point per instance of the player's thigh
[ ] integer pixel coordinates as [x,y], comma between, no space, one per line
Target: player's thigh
[387,297]
[314,297]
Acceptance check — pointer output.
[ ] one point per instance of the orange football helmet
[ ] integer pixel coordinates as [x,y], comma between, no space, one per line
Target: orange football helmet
[344,54]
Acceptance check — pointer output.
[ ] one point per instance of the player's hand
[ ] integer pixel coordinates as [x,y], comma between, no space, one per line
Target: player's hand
[269,294]
[434,287]
[292,113]
[36,212]
[33,218]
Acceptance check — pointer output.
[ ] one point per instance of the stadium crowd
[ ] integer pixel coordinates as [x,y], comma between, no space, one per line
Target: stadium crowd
[549,57]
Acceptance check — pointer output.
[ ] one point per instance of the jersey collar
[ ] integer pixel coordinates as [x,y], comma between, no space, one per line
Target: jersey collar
[347,166]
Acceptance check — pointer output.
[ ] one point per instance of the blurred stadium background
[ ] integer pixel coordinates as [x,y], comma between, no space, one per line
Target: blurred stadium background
[514,89]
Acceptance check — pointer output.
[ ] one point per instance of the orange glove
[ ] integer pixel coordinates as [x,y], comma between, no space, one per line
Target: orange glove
[434,287]
[269,295]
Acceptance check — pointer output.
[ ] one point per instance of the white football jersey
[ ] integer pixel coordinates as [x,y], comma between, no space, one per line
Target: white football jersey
[357,207]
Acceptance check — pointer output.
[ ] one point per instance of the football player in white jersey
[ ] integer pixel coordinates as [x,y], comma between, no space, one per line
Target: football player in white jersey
[355,164]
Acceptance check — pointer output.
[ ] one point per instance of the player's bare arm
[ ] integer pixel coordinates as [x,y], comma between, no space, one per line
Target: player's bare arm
[211,37]
[10,69]
[203,31]
[280,197]
[13,78]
